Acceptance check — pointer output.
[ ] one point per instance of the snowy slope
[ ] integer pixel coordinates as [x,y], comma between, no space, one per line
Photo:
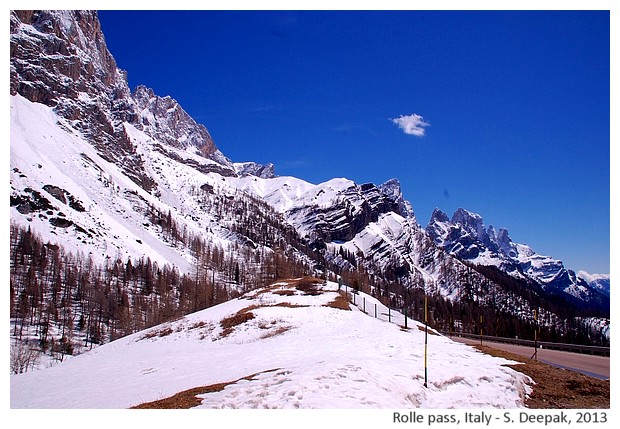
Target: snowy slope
[112,221]
[301,351]
[111,224]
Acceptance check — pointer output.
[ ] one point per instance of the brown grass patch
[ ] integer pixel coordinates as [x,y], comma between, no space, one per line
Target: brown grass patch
[308,279]
[284,292]
[228,324]
[430,331]
[308,288]
[289,305]
[284,287]
[189,398]
[196,325]
[163,332]
[556,387]
[278,331]
[340,302]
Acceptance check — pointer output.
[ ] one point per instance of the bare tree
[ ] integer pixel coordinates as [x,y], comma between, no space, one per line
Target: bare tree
[23,357]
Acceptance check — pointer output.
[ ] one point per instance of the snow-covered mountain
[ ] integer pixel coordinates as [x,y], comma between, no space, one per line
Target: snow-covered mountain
[295,344]
[112,177]
[599,282]
[466,237]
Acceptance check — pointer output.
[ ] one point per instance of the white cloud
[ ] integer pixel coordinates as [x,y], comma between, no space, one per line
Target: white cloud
[411,124]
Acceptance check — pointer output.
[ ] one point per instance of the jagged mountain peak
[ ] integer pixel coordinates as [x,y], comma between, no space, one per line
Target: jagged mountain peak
[392,189]
[438,216]
[470,221]
[59,58]
[466,237]
[165,120]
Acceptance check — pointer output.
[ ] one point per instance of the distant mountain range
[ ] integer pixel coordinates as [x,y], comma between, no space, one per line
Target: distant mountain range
[466,237]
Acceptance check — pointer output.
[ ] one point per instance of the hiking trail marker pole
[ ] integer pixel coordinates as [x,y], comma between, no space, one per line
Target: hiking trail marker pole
[425,340]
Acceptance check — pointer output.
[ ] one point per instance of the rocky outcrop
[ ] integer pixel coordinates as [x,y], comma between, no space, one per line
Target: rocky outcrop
[164,120]
[392,190]
[349,212]
[60,58]
[265,171]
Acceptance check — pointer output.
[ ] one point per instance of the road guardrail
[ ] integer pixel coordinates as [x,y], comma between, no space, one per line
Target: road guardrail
[573,348]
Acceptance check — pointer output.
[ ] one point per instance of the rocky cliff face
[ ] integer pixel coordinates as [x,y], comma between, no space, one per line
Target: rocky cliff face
[59,58]
[56,55]
[163,119]
[344,210]
[264,171]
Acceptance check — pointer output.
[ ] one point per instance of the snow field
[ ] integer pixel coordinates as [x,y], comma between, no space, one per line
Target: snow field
[305,354]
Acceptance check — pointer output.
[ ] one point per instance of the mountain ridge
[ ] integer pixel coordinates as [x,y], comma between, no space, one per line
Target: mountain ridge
[465,236]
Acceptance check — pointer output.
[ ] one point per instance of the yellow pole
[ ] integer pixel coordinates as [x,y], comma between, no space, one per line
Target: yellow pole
[425,340]
[535,335]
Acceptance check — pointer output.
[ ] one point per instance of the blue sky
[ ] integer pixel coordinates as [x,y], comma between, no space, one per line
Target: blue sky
[508,113]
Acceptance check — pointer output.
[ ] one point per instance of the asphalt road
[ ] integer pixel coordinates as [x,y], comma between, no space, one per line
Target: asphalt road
[595,366]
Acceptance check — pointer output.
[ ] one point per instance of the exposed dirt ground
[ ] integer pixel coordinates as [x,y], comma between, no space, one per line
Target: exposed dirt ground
[556,387]
[189,398]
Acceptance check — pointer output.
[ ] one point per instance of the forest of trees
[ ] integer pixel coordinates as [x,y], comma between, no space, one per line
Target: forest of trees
[62,303]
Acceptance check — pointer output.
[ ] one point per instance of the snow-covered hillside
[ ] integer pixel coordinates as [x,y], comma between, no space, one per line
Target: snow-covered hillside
[295,344]
[601,282]
[107,222]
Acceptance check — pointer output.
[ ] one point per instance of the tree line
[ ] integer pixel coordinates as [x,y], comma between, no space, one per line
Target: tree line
[62,303]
